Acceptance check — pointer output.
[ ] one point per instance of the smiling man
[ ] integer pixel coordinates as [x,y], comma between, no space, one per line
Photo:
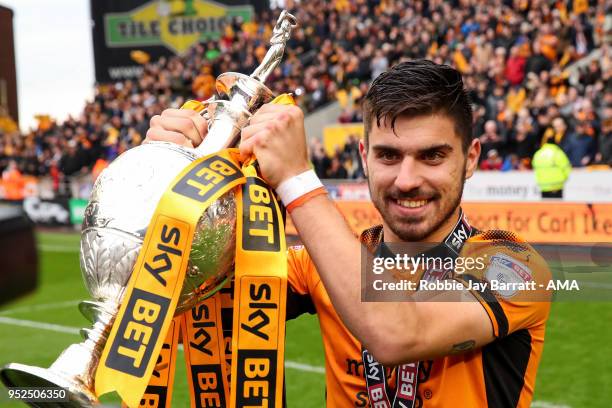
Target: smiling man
[417,153]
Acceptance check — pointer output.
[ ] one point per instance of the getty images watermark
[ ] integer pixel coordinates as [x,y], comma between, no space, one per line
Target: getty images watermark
[510,270]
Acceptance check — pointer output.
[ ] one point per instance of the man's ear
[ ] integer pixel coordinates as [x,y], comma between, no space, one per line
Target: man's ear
[473,154]
[363,154]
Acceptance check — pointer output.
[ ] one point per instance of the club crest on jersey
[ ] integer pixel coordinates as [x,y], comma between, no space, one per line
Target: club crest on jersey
[505,269]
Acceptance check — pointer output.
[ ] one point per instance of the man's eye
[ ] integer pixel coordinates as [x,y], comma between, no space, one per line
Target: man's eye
[388,156]
[433,156]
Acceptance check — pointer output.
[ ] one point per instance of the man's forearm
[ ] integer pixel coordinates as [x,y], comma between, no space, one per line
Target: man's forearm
[337,255]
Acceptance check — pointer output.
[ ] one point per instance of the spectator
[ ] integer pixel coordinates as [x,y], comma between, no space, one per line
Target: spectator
[492,162]
[581,34]
[490,139]
[604,154]
[537,62]
[13,182]
[524,139]
[337,170]
[320,161]
[203,86]
[379,64]
[548,42]
[511,162]
[515,67]
[580,145]
[7,124]
[72,161]
[555,133]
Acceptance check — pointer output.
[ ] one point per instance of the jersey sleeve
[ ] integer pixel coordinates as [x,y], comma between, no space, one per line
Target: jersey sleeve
[515,278]
[299,265]
[299,274]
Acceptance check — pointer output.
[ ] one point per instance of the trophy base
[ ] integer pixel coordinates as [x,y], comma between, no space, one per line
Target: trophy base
[21,375]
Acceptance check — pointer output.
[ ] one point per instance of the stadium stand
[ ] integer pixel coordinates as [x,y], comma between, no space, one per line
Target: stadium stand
[518,59]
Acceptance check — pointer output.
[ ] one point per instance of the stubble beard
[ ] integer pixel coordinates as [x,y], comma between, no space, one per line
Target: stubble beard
[417,229]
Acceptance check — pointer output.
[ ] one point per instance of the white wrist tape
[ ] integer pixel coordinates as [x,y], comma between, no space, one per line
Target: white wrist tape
[296,186]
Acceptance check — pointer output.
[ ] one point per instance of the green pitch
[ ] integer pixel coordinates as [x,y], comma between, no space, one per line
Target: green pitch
[576,370]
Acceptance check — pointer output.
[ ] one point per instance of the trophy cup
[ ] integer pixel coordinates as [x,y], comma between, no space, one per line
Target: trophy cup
[120,209]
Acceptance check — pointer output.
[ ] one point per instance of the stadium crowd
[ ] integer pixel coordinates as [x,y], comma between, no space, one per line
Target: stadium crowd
[514,57]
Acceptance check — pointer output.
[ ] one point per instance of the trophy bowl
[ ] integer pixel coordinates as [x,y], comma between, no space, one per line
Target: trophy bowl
[118,214]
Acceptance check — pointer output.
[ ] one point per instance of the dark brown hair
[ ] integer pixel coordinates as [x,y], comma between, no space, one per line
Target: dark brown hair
[417,88]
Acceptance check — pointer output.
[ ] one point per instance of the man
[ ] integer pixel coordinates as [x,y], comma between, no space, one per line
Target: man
[555,133]
[417,153]
[491,139]
[552,168]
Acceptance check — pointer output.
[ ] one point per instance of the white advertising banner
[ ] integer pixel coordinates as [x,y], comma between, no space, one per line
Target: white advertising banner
[582,186]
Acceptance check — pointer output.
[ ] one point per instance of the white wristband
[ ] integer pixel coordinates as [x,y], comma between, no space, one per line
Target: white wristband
[296,186]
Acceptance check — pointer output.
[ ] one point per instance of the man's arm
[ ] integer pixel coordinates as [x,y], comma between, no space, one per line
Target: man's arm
[394,332]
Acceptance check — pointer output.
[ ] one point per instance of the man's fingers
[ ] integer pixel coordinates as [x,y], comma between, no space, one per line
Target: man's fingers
[271,107]
[154,122]
[251,130]
[246,148]
[200,123]
[249,146]
[159,134]
[275,115]
[181,124]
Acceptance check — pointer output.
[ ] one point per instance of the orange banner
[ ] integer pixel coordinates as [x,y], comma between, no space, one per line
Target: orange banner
[534,222]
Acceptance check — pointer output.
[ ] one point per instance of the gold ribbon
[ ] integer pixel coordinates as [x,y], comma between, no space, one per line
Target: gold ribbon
[226,295]
[204,346]
[154,288]
[260,297]
[258,334]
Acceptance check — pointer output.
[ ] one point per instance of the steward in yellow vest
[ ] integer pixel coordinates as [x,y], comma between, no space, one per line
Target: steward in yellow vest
[552,168]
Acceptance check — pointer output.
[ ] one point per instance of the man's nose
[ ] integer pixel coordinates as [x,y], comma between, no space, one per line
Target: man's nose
[409,176]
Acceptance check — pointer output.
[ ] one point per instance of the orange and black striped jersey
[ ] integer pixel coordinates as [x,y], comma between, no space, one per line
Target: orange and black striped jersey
[500,374]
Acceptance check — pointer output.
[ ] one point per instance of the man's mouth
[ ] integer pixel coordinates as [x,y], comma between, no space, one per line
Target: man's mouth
[412,203]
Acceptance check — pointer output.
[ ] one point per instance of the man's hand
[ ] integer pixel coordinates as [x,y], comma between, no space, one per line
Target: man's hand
[277,138]
[181,126]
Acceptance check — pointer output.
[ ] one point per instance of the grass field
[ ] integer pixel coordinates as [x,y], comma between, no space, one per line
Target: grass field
[576,369]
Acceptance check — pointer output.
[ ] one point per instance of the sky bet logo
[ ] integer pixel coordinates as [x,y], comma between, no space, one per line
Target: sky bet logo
[162,261]
[257,352]
[260,219]
[205,179]
[256,378]
[147,307]
[138,333]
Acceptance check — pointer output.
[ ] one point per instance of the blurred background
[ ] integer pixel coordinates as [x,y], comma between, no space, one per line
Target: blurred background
[79,82]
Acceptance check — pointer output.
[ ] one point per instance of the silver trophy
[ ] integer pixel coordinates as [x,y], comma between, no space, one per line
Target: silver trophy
[121,206]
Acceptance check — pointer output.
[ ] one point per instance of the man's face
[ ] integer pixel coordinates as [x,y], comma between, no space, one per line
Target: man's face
[416,176]
[559,125]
